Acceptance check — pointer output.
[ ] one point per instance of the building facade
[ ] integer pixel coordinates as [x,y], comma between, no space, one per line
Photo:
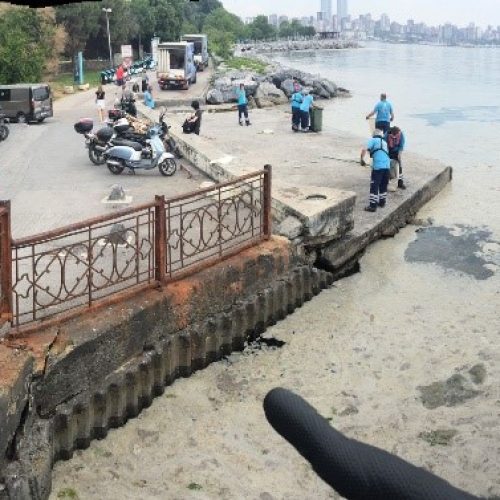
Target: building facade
[342,9]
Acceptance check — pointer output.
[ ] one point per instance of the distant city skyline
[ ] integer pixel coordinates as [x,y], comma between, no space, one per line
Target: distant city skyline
[460,12]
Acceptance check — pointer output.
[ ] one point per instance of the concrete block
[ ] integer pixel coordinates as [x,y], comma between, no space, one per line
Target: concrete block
[325,214]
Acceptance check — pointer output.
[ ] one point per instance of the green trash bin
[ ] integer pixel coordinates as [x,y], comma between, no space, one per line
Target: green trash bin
[316,118]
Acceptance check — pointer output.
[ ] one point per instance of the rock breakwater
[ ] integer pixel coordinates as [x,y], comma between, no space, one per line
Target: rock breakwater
[289,45]
[273,86]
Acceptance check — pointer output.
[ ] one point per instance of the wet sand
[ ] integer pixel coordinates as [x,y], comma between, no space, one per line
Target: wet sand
[367,353]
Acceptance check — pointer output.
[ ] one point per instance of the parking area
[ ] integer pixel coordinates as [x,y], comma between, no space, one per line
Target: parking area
[46,173]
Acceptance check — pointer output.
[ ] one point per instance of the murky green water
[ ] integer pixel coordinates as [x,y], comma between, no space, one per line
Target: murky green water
[404,355]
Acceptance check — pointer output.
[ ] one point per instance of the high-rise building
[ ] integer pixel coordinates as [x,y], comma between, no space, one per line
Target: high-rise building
[326,8]
[273,20]
[342,9]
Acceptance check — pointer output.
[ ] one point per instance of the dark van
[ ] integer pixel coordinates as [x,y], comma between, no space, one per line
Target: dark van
[26,102]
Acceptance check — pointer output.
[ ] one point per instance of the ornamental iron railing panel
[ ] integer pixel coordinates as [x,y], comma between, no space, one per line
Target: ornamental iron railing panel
[104,259]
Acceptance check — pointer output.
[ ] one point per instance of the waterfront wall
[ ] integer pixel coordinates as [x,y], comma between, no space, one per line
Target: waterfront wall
[71,383]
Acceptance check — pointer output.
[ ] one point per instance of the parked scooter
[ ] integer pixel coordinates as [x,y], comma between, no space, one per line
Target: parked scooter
[120,157]
[96,143]
[4,129]
[115,134]
[168,141]
[115,117]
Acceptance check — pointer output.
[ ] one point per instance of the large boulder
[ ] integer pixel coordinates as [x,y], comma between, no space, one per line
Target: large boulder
[329,86]
[319,90]
[214,96]
[250,86]
[226,88]
[268,95]
[287,87]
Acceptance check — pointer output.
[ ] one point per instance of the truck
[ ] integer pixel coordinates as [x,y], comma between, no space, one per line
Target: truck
[176,67]
[200,49]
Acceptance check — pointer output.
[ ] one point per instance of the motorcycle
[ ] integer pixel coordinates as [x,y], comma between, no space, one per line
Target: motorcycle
[96,143]
[130,156]
[169,142]
[115,134]
[4,129]
[171,146]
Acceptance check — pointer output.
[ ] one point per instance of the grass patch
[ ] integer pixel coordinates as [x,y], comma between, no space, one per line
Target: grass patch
[58,82]
[67,493]
[246,63]
[195,486]
[439,437]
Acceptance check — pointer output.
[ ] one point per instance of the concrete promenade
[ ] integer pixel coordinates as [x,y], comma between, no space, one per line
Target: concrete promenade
[46,173]
[308,164]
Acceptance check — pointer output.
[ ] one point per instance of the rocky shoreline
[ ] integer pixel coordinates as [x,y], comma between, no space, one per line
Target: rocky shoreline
[289,45]
[273,87]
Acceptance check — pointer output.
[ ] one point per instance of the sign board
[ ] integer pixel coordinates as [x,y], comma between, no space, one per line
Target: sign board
[154,49]
[127,51]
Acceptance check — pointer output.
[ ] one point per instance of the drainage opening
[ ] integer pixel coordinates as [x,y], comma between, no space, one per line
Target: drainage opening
[263,343]
[316,197]
[348,269]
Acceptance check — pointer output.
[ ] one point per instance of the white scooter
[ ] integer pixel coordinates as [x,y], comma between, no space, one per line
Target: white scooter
[130,156]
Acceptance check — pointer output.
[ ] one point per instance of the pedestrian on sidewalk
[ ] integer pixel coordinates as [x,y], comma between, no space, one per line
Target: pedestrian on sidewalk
[120,76]
[148,98]
[384,114]
[379,152]
[193,123]
[145,81]
[242,104]
[100,99]
[305,107]
[396,142]
[297,99]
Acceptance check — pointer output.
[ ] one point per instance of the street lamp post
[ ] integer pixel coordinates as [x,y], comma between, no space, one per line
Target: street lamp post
[108,11]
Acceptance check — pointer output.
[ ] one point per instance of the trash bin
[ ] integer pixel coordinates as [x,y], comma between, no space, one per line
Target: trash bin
[316,119]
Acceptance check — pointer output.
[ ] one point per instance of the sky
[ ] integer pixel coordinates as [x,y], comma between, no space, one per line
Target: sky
[432,12]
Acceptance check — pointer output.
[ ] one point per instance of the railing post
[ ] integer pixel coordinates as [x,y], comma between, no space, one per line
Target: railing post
[268,221]
[6,312]
[160,239]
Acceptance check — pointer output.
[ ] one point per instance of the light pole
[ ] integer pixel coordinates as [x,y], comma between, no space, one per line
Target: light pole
[108,11]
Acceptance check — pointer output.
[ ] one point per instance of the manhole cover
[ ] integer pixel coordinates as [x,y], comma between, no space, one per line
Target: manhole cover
[315,197]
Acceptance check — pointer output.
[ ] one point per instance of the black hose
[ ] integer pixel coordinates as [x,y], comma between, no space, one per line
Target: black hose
[354,469]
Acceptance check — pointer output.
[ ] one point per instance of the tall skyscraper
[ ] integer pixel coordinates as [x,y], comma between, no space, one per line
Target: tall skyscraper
[326,8]
[342,9]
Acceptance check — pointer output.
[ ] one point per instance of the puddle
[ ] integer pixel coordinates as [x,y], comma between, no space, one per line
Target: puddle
[460,248]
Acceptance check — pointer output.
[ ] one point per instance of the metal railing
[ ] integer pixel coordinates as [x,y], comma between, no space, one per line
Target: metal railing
[101,260]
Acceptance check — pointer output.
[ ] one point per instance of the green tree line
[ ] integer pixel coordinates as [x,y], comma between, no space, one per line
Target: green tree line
[32,40]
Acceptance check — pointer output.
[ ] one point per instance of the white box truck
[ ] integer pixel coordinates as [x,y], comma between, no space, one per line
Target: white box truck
[176,67]
[200,42]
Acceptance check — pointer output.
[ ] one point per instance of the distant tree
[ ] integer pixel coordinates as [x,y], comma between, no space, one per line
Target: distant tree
[144,21]
[285,31]
[309,31]
[29,41]
[80,21]
[196,12]
[122,22]
[295,28]
[168,16]
[222,20]
[260,29]
[223,30]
